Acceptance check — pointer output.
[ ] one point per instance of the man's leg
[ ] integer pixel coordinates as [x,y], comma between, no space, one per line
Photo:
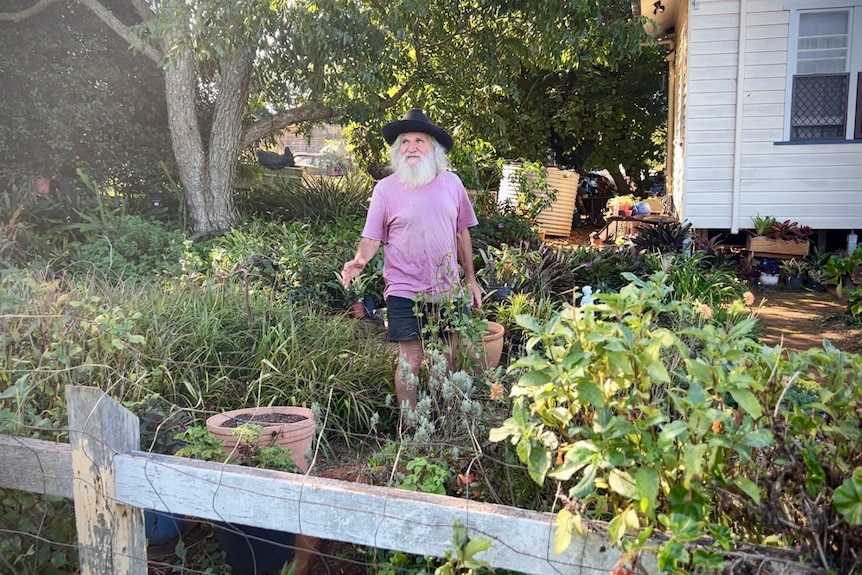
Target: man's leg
[411,352]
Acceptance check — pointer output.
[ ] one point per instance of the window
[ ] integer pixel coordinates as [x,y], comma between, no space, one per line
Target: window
[824,74]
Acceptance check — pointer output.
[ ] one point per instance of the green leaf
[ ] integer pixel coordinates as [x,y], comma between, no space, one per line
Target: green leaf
[538,464]
[616,529]
[672,430]
[623,483]
[747,401]
[647,481]
[590,393]
[749,487]
[567,524]
[758,438]
[848,498]
[476,546]
[576,458]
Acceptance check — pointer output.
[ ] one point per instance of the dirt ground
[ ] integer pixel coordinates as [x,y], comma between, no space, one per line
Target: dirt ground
[801,319]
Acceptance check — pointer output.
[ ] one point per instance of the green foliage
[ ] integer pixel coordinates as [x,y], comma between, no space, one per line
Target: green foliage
[762,224]
[533,194]
[425,477]
[199,443]
[507,265]
[502,228]
[39,534]
[848,498]
[315,199]
[75,97]
[663,237]
[648,427]
[160,421]
[464,558]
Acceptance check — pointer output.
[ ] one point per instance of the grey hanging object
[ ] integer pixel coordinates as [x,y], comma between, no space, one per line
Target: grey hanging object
[275,161]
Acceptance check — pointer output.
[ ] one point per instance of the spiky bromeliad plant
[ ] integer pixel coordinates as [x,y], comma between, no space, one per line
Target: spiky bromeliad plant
[688,431]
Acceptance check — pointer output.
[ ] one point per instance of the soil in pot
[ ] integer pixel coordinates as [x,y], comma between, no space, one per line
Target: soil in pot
[265,418]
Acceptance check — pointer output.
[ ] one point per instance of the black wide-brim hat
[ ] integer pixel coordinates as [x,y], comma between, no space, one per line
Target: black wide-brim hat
[415,120]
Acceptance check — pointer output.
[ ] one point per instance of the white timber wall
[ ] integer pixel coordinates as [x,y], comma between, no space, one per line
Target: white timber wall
[819,185]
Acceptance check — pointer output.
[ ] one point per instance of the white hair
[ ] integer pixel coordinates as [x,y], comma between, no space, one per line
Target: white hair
[417,176]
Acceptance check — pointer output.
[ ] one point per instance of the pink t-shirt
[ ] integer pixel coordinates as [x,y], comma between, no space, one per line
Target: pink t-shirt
[417,229]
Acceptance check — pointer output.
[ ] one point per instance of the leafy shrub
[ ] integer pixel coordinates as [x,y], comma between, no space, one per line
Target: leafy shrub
[313,199]
[648,432]
[129,246]
[504,228]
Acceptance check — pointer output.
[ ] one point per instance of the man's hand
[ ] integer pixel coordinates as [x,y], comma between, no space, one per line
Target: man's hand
[350,270]
[475,294]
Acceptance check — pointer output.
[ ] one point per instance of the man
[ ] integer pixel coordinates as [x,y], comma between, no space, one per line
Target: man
[420,215]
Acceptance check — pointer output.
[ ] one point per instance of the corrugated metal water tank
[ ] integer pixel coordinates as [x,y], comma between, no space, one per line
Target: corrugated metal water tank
[557,219]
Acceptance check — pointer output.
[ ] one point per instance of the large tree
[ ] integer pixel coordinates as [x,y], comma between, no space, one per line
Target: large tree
[351,60]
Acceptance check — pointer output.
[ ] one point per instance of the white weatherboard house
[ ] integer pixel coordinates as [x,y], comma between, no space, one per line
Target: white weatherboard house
[765,110]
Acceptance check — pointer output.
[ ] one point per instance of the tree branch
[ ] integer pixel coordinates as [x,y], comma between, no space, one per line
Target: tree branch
[264,127]
[122,30]
[36,8]
[391,101]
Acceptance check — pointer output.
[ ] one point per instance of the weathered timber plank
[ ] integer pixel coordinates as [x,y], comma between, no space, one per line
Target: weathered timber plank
[367,515]
[111,537]
[36,466]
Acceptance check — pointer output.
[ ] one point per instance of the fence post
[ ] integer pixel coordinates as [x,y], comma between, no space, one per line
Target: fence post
[111,537]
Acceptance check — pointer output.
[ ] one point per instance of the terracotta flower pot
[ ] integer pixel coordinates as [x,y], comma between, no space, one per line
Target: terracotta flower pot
[293,435]
[492,346]
[357,309]
[43,185]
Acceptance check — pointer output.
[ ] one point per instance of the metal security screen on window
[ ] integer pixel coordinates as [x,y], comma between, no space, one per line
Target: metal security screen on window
[819,107]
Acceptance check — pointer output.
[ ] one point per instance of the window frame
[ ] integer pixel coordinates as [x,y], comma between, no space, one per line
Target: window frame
[853,120]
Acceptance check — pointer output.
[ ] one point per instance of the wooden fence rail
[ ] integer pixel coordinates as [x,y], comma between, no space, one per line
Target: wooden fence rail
[111,483]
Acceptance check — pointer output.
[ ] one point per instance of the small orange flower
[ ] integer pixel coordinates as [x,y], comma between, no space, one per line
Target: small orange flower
[748,297]
[497,390]
[704,310]
[716,426]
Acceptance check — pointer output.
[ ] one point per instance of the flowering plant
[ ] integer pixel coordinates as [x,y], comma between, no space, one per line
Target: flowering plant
[769,267]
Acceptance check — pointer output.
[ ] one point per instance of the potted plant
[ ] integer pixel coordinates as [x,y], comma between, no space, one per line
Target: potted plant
[356,294]
[748,272]
[480,340]
[248,550]
[663,237]
[794,271]
[769,272]
[288,427]
[619,206]
[504,269]
[816,279]
[778,239]
[844,271]
[159,424]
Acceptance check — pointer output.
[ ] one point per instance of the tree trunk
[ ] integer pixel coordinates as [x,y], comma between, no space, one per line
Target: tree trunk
[207,175]
[623,185]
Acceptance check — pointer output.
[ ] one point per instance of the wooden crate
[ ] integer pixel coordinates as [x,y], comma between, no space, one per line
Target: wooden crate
[763,247]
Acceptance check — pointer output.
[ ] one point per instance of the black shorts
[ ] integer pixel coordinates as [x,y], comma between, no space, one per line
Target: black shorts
[408,319]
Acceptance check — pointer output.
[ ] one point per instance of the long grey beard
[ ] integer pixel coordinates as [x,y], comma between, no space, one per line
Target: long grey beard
[415,176]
